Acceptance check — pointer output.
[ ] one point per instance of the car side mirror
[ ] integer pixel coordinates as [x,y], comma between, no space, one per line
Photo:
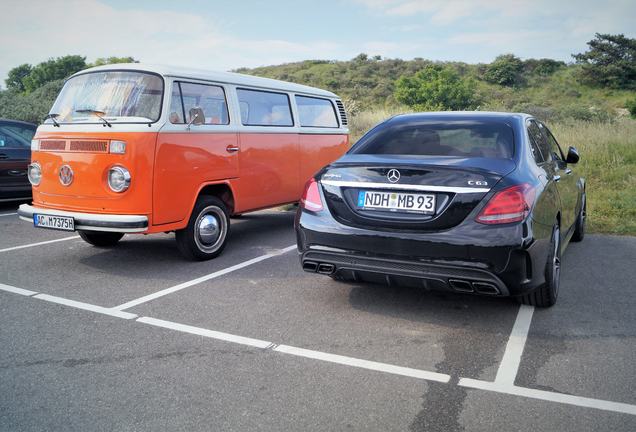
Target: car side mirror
[573,155]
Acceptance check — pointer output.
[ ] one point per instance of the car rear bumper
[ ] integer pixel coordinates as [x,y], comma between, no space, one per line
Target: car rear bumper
[90,221]
[463,259]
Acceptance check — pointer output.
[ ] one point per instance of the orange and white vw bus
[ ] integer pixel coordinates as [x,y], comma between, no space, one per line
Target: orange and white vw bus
[132,148]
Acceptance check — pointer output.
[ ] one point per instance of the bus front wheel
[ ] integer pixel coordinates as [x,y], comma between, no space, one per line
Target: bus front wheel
[207,231]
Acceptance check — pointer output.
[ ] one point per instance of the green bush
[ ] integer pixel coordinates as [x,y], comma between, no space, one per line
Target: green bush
[631,106]
[505,70]
[436,88]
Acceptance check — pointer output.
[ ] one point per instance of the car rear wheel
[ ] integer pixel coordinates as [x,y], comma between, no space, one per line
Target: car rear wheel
[579,229]
[101,238]
[207,231]
[546,295]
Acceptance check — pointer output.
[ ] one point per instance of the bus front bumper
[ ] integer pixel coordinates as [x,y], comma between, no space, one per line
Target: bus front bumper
[90,221]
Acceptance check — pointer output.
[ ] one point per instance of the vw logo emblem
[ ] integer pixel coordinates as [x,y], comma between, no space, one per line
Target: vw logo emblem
[66,175]
[393,175]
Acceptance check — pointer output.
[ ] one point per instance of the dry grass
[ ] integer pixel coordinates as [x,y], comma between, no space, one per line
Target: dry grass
[608,162]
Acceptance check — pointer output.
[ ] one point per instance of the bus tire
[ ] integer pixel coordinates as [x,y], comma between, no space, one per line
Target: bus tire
[207,231]
[100,238]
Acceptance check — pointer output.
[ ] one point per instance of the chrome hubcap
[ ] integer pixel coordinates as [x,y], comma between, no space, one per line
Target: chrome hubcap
[210,229]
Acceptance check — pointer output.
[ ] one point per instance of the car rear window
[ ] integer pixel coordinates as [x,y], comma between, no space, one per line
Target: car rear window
[440,138]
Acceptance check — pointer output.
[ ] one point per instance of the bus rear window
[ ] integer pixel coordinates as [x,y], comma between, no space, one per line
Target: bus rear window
[119,96]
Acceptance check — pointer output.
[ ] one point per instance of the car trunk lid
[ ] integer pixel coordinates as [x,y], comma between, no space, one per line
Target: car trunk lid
[359,188]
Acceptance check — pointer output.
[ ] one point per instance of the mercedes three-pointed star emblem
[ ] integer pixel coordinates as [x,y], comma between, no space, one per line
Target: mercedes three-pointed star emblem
[393,175]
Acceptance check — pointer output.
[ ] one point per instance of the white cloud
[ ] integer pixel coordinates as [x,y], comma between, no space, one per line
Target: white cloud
[34,31]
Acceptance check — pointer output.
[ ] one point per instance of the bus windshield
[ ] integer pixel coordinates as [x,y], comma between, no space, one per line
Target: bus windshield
[118,96]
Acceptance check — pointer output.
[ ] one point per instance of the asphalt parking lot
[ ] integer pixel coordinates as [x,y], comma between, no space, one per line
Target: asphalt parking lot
[136,338]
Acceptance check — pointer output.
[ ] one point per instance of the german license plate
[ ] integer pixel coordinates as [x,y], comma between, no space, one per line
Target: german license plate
[63,223]
[397,201]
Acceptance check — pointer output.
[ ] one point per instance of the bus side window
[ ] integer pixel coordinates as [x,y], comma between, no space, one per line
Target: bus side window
[208,98]
[176,107]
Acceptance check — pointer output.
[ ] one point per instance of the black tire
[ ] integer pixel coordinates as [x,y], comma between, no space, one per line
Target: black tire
[101,238]
[546,295]
[579,229]
[192,242]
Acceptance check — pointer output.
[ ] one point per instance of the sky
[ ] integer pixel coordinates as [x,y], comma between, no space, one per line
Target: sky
[225,35]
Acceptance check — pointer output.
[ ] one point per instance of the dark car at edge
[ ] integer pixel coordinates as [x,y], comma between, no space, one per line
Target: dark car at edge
[15,156]
[472,202]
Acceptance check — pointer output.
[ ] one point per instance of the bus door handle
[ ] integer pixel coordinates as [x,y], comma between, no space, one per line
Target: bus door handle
[232,148]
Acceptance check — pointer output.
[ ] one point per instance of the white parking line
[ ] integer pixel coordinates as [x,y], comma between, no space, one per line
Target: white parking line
[85,306]
[207,277]
[299,352]
[16,290]
[205,332]
[8,214]
[509,365]
[549,396]
[37,244]
[363,364]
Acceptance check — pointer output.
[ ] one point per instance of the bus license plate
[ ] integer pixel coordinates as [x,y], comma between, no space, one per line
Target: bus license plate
[63,223]
[397,201]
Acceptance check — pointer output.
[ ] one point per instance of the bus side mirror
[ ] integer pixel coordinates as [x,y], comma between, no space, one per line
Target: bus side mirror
[196,117]
[573,155]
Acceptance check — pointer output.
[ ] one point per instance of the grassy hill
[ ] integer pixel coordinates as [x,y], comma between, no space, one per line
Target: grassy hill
[369,84]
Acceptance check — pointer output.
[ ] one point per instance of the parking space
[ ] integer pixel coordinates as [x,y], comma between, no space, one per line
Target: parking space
[587,344]
[138,266]
[248,341]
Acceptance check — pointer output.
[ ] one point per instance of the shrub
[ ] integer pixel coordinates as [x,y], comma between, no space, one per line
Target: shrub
[505,70]
[631,106]
[436,88]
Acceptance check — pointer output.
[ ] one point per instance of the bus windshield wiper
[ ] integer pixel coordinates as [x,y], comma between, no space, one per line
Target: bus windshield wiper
[52,117]
[99,114]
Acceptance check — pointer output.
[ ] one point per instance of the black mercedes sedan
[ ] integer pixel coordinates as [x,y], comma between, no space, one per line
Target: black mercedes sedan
[472,202]
[15,156]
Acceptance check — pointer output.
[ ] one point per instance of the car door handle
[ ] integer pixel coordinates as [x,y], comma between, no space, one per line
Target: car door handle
[232,148]
[568,171]
[556,178]
[3,156]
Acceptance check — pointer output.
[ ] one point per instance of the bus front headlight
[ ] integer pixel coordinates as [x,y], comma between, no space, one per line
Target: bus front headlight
[34,172]
[118,179]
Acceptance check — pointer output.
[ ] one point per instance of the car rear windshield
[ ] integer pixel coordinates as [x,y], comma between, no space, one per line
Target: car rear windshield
[462,138]
[119,96]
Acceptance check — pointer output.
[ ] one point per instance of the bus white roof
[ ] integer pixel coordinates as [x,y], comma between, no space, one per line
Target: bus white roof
[220,77]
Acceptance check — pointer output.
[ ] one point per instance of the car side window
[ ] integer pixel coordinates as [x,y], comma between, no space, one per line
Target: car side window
[537,139]
[15,136]
[555,149]
[208,101]
[264,108]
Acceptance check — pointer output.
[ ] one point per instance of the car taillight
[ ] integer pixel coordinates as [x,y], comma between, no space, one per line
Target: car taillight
[311,197]
[509,205]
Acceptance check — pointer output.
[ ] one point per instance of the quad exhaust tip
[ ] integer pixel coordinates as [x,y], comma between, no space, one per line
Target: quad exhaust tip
[322,268]
[326,269]
[310,266]
[464,286]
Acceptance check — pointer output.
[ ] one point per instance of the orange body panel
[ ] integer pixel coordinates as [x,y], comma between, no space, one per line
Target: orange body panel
[169,170]
[89,190]
[268,170]
[316,151]
[184,162]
